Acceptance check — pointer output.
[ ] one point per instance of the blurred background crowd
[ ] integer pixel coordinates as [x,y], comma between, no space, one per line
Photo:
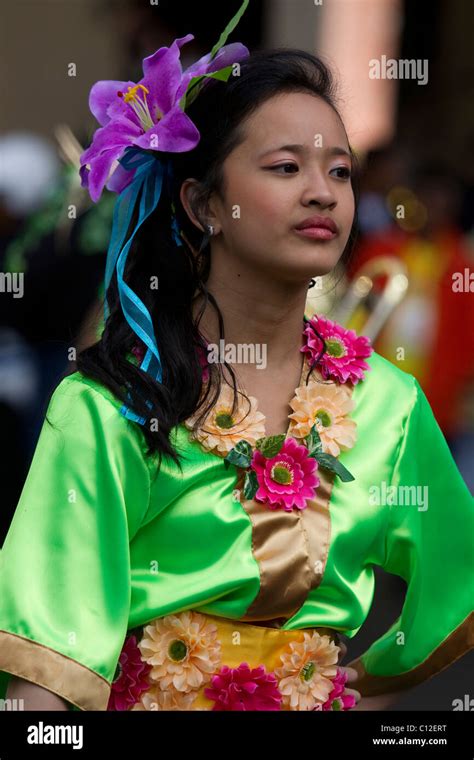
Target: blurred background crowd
[410,284]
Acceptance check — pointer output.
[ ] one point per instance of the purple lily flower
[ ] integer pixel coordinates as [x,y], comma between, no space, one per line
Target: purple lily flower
[147,115]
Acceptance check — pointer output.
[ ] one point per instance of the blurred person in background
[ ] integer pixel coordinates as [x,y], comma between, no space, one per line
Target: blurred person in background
[59,263]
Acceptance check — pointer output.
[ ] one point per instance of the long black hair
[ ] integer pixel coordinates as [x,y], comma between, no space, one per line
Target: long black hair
[182,271]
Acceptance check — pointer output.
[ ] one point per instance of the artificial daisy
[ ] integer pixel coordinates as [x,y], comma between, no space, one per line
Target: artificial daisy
[244,688]
[345,352]
[287,479]
[307,670]
[221,430]
[182,649]
[327,407]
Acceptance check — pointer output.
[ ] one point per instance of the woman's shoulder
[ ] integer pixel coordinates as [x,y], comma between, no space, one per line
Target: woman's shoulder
[78,399]
[385,373]
[78,385]
[83,411]
[389,391]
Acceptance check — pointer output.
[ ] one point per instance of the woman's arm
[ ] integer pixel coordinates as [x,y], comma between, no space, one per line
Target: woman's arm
[428,543]
[35,697]
[379,702]
[87,490]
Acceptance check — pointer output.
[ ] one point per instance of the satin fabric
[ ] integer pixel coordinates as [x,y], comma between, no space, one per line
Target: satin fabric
[100,543]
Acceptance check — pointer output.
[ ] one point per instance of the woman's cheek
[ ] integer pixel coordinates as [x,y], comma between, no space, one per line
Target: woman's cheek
[260,216]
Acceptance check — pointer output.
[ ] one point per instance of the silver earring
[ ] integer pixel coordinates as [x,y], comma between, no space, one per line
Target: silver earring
[206,237]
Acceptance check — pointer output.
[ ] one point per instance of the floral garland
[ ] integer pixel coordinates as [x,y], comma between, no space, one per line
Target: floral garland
[177,656]
[279,470]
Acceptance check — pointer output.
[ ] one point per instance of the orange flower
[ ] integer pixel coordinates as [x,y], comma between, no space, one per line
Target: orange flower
[327,406]
[306,673]
[220,431]
[183,650]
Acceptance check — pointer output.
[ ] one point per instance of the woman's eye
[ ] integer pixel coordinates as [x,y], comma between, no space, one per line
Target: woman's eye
[346,172]
[282,166]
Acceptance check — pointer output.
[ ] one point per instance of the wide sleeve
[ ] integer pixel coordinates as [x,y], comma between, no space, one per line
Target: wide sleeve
[65,576]
[429,542]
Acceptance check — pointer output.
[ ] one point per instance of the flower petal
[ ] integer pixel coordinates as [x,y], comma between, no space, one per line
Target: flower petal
[103,94]
[163,71]
[118,181]
[108,137]
[175,132]
[100,169]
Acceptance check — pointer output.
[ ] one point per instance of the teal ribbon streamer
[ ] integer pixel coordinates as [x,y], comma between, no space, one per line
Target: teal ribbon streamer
[146,189]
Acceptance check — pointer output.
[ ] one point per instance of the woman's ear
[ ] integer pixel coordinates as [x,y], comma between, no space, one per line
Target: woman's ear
[189,197]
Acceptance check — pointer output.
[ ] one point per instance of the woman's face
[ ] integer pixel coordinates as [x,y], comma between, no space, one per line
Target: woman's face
[269,189]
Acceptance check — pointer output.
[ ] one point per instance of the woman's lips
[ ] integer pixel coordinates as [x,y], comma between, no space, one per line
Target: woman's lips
[317,233]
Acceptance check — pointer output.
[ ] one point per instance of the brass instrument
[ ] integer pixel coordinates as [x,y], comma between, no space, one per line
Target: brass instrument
[360,306]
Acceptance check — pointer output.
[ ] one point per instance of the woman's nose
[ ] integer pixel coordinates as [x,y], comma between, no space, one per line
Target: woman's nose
[320,191]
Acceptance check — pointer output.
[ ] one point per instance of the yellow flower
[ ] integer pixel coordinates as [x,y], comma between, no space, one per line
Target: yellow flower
[307,668]
[155,699]
[182,649]
[220,431]
[327,405]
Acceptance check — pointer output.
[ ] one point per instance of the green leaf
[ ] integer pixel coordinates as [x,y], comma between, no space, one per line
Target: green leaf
[193,88]
[313,442]
[224,73]
[250,484]
[270,446]
[240,455]
[328,462]
[229,29]
[244,447]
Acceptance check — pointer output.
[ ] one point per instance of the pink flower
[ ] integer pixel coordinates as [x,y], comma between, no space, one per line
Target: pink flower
[244,688]
[337,700]
[345,350]
[138,351]
[131,679]
[287,479]
[204,363]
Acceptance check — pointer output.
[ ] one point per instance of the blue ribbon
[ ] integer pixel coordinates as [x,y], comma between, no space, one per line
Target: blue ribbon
[145,187]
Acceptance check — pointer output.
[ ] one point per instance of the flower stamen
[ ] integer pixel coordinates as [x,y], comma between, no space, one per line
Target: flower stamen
[308,670]
[280,473]
[224,420]
[335,347]
[139,105]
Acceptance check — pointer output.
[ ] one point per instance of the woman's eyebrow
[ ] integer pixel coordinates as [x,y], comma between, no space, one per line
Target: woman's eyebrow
[299,148]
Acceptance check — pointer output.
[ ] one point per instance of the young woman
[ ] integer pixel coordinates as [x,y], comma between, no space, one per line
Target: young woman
[202,541]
